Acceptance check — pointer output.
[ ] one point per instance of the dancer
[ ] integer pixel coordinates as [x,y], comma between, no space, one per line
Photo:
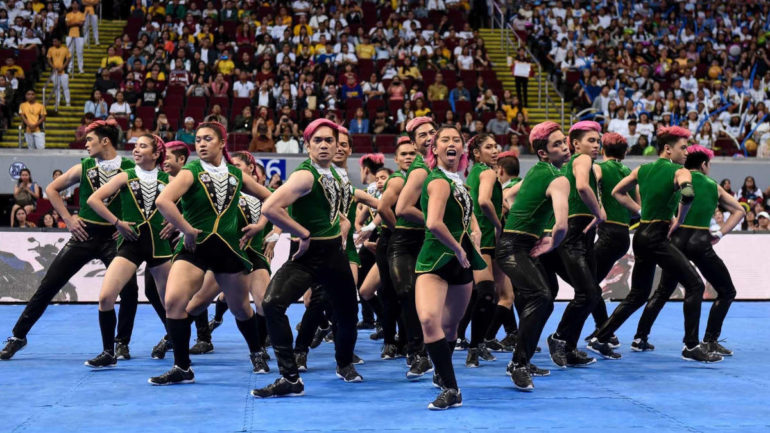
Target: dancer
[542,194]
[696,241]
[143,237]
[406,241]
[662,184]
[614,240]
[576,251]
[92,237]
[448,258]
[313,195]
[209,189]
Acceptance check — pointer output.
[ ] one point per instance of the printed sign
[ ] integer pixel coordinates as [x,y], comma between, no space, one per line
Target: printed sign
[273,166]
[15,169]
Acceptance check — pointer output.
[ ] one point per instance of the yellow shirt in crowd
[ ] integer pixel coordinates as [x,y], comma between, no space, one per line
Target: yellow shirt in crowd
[89,6]
[59,56]
[32,112]
[75,20]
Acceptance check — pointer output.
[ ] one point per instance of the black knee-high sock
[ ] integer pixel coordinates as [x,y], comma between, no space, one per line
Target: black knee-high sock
[463,325]
[220,309]
[497,320]
[179,332]
[261,330]
[107,322]
[442,362]
[482,311]
[509,321]
[249,330]
[202,326]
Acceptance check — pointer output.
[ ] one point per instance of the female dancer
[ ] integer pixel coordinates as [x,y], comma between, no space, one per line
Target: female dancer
[447,258]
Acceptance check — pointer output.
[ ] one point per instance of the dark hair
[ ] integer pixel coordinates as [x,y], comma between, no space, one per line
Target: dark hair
[15,222]
[744,188]
[475,143]
[55,170]
[510,165]
[248,159]
[41,221]
[385,169]
[220,132]
[695,160]
[578,134]
[109,132]
[28,172]
[371,164]
[413,133]
[180,151]
[157,146]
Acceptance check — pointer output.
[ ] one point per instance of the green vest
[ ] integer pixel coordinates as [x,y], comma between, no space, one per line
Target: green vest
[91,178]
[486,226]
[660,198]
[402,223]
[613,172]
[705,202]
[137,202]
[511,182]
[457,217]
[211,213]
[532,210]
[250,210]
[319,210]
[576,205]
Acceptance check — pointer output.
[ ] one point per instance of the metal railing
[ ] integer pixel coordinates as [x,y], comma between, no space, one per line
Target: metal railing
[506,29]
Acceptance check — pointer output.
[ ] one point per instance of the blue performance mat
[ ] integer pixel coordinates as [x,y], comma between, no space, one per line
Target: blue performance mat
[46,387]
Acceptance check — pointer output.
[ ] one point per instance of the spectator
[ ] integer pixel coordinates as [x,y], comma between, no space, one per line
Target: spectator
[11,68]
[762,222]
[33,115]
[243,121]
[408,70]
[706,137]
[498,125]
[520,127]
[187,133]
[396,90]
[420,109]
[633,134]
[80,133]
[105,84]
[486,102]
[405,114]
[163,129]
[199,88]
[359,124]
[75,20]
[465,60]
[287,143]
[58,58]
[179,75]
[619,123]
[220,87]
[26,193]
[216,115]
[749,192]
[373,89]
[243,88]
[19,219]
[151,96]
[459,93]
[136,130]
[275,181]
[96,105]
[264,97]
[642,147]
[438,91]
[112,62]
[120,108]
[262,140]
[382,123]
[47,221]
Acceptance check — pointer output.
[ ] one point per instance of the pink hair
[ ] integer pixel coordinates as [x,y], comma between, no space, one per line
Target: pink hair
[416,122]
[223,134]
[250,160]
[403,139]
[314,125]
[543,130]
[160,146]
[676,131]
[698,148]
[342,130]
[97,123]
[432,161]
[586,125]
[376,158]
[507,154]
[612,139]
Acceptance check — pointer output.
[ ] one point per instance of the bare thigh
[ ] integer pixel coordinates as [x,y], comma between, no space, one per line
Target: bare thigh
[160,275]
[203,297]
[184,280]
[454,309]
[258,281]
[371,284]
[430,296]
[236,292]
[119,272]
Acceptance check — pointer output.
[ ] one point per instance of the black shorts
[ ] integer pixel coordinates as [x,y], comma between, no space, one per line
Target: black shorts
[140,250]
[488,251]
[452,272]
[258,261]
[213,255]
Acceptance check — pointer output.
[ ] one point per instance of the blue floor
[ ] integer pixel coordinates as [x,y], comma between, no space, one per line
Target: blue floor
[47,388]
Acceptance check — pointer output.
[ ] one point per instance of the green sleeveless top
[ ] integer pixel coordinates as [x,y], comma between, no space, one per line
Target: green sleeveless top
[705,202]
[511,182]
[250,210]
[137,202]
[211,206]
[614,171]
[576,205]
[532,210]
[487,228]
[319,210]
[660,198]
[457,217]
[417,164]
[91,178]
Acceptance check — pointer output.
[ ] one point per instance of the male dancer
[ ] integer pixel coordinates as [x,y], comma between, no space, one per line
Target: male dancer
[542,194]
[576,252]
[406,242]
[662,185]
[695,240]
[92,237]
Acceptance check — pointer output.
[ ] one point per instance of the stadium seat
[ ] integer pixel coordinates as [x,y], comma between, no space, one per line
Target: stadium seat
[362,143]
[385,143]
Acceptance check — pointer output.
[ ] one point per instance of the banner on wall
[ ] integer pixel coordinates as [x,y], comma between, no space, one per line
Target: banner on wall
[26,254]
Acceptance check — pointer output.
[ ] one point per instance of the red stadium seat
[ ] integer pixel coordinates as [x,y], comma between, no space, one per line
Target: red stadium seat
[79,144]
[385,143]
[238,141]
[362,143]
[440,108]
[195,112]
[123,122]
[148,116]
[462,107]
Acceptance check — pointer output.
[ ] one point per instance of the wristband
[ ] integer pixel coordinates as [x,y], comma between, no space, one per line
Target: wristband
[117,220]
[272,238]
[369,227]
[717,234]
[305,238]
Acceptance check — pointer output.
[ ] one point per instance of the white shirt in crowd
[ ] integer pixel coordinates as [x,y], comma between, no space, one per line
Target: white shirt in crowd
[288,146]
[243,90]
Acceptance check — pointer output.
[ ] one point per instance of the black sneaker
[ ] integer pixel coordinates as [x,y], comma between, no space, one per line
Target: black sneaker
[357,360]
[264,354]
[301,359]
[715,347]
[558,350]
[510,340]
[160,349]
[201,347]
[348,373]
[410,359]
[419,367]
[259,363]
[437,382]
[578,358]
[462,344]
[641,345]
[485,354]
[538,349]
[613,342]
[700,353]
[391,351]
[174,376]
[535,371]
[121,351]
[521,378]
[365,325]
[102,360]
[214,324]
[282,387]
[496,345]
[472,360]
[329,338]
[602,349]
[448,398]
[378,334]
[318,338]
[12,345]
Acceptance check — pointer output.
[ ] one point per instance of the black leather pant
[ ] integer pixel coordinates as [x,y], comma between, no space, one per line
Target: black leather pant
[403,249]
[577,256]
[324,264]
[391,308]
[612,244]
[696,246]
[72,257]
[533,286]
[652,247]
